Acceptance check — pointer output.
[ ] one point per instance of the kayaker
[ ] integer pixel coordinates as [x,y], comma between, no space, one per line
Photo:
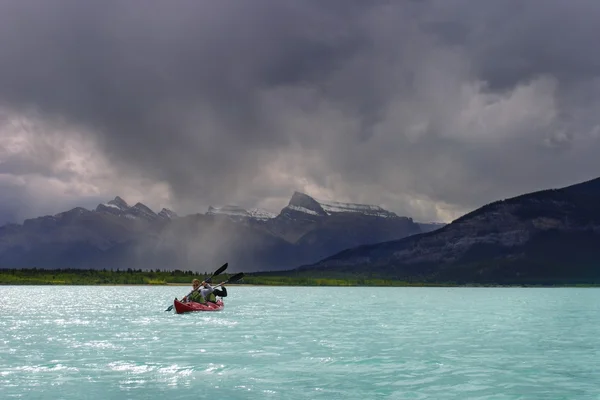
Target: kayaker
[203,292]
[212,297]
[193,296]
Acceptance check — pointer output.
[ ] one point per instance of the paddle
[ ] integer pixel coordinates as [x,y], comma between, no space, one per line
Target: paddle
[217,272]
[233,278]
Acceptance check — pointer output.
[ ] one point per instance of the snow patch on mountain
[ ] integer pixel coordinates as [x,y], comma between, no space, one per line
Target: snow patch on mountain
[259,213]
[117,206]
[119,203]
[302,210]
[229,210]
[332,207]
[236,212]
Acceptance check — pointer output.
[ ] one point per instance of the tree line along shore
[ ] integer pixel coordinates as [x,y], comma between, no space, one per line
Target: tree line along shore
[36,276]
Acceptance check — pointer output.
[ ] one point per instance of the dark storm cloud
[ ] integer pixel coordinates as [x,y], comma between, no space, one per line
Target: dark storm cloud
[171,89]
[456,102]
[513,41]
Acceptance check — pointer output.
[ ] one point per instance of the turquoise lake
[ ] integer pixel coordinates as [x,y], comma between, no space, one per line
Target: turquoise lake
[117,342]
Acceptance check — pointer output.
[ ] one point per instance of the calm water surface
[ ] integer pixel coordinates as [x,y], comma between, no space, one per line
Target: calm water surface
[85,342]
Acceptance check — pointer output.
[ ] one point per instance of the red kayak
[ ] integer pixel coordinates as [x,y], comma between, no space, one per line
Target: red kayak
[181,308]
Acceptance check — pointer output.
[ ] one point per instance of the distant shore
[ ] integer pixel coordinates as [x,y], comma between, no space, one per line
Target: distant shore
[411,285]
[129,277]
[118,284]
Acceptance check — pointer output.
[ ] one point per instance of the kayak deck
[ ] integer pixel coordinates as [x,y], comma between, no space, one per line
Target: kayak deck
[181,308]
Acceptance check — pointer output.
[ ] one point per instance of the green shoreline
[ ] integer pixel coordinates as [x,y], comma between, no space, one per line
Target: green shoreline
[413,285]
[131,277]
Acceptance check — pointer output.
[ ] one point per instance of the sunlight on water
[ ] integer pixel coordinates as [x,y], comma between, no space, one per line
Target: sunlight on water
[300,343]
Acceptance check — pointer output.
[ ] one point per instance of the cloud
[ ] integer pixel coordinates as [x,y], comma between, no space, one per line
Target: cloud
[431,108]
[47,168]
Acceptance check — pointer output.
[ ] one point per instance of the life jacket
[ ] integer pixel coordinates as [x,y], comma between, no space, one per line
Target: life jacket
[212,298]
[197,297]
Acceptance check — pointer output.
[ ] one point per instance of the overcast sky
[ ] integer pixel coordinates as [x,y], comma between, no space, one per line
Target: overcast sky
[428,108]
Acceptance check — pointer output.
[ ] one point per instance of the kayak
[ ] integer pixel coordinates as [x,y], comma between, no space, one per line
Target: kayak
[181,308]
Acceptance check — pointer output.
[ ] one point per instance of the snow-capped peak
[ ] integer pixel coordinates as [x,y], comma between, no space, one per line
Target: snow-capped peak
[119,207]
[167,214]
[119,203]
[141,211]
[303,203]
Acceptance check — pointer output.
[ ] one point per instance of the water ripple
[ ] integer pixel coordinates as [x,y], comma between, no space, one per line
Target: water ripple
[301,343]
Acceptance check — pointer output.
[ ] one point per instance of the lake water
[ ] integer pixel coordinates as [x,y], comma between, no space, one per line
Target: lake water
[90,342]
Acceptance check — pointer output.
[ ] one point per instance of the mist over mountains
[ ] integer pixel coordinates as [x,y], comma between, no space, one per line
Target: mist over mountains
[117,235]
[548,236]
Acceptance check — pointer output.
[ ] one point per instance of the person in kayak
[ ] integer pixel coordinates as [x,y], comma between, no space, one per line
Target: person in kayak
[210,293]
[194,295]
[212,297]
[203,292]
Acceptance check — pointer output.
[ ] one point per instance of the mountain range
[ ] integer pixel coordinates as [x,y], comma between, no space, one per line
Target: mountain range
[549,236]
[117,235]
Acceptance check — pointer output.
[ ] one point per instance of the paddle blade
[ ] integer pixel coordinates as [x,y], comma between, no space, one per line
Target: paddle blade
[220,270]
[236,277]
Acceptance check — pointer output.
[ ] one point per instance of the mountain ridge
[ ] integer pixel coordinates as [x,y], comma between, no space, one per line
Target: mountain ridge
[547,234]
[115,234]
